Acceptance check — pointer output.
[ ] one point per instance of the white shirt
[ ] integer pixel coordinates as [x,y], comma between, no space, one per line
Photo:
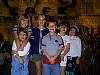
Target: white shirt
[66,40]
[75,47]
[24,52]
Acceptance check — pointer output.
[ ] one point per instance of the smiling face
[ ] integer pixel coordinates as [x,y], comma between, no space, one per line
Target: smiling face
[22,36]
[52,27]
[41,20]
[24,22]
[63,29]
[72,32]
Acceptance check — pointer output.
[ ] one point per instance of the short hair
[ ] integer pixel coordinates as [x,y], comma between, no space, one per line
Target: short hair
[63,24]
[24,16]
[41,15]
[22,30]
[51,21]
[76,28]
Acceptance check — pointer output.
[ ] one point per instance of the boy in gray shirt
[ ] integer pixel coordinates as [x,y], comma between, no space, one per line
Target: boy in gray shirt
[52,45]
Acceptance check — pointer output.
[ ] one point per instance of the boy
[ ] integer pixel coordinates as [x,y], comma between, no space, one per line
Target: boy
[35,40]
[52,45]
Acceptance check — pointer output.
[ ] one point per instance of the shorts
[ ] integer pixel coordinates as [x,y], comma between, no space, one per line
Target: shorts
[36,57]
[64,62]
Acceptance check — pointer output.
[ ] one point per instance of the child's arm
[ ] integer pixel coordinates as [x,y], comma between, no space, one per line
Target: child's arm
[79,47]
[25,51]
[46,54]
[15,53]
[66,50]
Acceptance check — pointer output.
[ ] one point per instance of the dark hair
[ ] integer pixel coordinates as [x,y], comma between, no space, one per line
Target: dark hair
[22,30]
[76,29]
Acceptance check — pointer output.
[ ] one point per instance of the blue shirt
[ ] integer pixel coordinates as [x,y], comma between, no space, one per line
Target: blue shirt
[35,39]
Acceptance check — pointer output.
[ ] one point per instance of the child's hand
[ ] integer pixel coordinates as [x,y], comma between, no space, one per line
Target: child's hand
[52,60]
[77,61]
[21,61]
[30,57]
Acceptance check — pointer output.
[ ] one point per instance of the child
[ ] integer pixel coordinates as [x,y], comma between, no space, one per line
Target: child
[35,40]
[20,57]
[74,54]
[66,39]
[52,45]
[23,22]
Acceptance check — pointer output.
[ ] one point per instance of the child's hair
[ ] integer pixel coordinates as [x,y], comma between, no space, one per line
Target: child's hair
[24,16]
[63,24]
[51,21]
[76,28]
[22,30]
[41,15]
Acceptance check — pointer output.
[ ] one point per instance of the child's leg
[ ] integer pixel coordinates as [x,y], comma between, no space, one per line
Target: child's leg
[15,70]
[25,65]
[62,70]
[46,69]
[38,67]
[62,67]
[55,69]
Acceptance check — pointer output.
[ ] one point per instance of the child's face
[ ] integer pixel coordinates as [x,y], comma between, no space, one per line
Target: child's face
[22,36]
[72,32]
[52,27]
[63,29]
[24,23]
[41,20]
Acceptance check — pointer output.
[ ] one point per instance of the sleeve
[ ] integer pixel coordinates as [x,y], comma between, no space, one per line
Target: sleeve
[61,43]
[43,45]
[67,40]
[29,29]
[15,28]
[14,46]
[25,51]
[79,47]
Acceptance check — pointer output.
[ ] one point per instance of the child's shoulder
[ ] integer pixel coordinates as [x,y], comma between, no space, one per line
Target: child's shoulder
[46,36]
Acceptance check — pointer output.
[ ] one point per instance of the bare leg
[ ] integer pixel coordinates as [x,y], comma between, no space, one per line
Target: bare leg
[38,67]
[62,70]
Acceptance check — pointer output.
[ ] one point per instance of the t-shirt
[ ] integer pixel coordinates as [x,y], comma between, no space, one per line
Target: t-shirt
[75,46]
[66,40]
[52,44]
[25,50]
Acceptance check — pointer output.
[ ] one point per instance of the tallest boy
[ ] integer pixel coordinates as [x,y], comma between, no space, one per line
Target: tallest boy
[35,40]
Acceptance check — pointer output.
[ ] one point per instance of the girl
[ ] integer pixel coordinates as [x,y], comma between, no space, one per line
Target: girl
[74,54]
[20,57]
[66,40]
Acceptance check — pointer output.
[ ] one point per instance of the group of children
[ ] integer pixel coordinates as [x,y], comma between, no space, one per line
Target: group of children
[53,53]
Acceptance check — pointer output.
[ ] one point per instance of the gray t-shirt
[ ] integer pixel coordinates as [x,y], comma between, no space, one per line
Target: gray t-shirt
[52,44]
